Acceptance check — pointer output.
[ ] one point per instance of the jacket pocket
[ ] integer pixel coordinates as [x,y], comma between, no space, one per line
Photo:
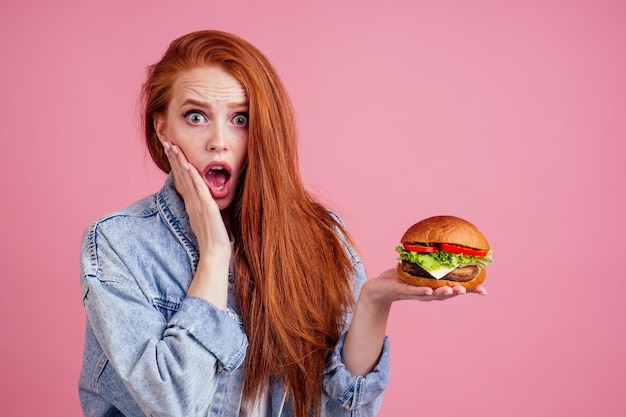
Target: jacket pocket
[167,308]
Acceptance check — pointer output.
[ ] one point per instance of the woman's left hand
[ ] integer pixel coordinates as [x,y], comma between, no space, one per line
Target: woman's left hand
[388,287]
[364,340]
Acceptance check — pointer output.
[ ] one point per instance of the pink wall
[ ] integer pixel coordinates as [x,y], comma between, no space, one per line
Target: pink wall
[511,114]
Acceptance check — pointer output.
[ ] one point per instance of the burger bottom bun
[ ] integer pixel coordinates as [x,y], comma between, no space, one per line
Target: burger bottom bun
[436,283]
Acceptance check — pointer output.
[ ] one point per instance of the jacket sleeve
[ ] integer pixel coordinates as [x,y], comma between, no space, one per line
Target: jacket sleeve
[345,394]
[167,366]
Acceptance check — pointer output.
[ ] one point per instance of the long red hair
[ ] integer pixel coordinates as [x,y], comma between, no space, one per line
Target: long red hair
[293,274]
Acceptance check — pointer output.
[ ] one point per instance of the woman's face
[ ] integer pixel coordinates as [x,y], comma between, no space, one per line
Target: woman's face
[207,118]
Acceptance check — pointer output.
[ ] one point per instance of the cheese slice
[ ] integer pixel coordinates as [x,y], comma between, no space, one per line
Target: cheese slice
[442,271]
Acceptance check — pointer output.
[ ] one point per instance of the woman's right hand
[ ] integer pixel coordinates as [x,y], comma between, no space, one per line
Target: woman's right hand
[211,278]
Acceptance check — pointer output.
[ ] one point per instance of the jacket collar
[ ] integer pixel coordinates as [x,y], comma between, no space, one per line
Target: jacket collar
[172,209]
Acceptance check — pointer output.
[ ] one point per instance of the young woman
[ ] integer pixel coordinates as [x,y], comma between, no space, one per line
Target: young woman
[230,292]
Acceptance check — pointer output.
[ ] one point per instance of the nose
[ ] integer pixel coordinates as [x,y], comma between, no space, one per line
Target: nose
[217,140]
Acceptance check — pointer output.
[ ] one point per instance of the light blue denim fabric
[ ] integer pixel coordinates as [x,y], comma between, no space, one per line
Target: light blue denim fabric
[152,351]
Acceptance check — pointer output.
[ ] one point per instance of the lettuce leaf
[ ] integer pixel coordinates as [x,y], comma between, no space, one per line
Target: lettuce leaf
[431,261]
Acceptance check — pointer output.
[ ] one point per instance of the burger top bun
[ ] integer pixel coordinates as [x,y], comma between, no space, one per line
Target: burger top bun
[446,229]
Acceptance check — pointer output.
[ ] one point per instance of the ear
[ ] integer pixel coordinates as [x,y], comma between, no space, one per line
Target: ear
[158,121]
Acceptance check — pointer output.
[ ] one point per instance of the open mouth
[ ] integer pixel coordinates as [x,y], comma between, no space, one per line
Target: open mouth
[217,177]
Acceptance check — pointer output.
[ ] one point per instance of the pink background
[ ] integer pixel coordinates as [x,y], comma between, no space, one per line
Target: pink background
[510,114]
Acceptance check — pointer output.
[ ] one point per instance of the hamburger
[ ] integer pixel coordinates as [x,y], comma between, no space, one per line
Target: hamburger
[443,251]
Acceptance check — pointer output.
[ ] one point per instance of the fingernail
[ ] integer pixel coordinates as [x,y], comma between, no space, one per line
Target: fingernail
[186,166]
[175,149]
[166,147]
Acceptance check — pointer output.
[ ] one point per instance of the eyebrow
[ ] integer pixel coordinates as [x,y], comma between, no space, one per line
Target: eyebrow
[205,104]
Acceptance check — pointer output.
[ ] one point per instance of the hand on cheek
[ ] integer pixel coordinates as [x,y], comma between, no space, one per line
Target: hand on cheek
[211,277]
[187,179]
[204,214]
[179,165]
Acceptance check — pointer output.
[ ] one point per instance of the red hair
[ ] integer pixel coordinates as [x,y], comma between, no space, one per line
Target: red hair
[293,273]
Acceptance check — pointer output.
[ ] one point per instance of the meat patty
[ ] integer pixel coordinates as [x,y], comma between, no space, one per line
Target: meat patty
[460,274]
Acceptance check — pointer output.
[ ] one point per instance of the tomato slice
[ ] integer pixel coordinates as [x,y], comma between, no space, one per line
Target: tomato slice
[418,248]
[447,247]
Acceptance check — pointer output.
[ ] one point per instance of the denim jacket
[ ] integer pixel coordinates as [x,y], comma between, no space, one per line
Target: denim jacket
[150,350]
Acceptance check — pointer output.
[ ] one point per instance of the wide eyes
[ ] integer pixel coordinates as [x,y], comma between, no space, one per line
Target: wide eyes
[241,120]
[195,117]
